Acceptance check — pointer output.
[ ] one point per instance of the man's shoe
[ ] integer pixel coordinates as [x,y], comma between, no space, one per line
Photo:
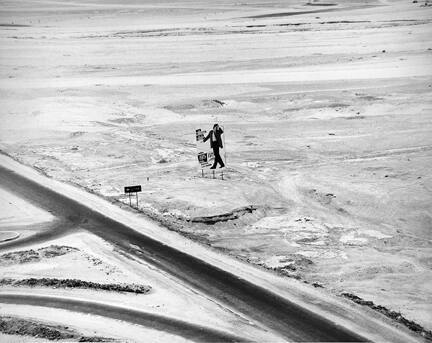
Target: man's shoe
[214,167]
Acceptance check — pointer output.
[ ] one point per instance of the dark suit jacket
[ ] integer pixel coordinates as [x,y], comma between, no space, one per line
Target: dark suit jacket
[218,142]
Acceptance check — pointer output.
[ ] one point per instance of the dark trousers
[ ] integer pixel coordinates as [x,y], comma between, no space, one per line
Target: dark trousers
[218,158]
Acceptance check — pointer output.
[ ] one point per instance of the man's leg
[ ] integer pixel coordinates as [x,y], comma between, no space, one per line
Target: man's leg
[218,159]
[216,154]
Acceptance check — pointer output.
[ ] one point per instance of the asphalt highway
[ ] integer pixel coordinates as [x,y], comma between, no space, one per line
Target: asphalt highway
[170,325]
[289,320]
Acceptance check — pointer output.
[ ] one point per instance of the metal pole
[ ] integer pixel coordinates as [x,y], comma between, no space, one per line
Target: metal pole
[202,172]
[130,203]
[224,144]
[213,174]
[137,198]
[222,175]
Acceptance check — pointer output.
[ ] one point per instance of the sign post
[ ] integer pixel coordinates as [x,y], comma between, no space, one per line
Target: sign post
[132,189]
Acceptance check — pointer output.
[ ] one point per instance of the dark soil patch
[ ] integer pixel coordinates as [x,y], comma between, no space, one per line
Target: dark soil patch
[31,255]
[235,214]
[319,4]
[354,117]
[345,22]
[307,240]
[397,316]
[337,105]
[295,269]
[123,120]
[371,97]
[23,327]
[221,103]
[288,14]
[14,25]
[75,283]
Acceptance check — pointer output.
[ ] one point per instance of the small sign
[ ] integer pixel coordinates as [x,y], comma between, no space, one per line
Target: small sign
[132,189]
[200,135]
[202,157]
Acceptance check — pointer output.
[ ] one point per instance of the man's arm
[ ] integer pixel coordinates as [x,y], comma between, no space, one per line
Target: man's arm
[220,132]
[208,136]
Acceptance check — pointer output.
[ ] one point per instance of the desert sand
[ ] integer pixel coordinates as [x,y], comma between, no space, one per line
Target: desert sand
[327,114]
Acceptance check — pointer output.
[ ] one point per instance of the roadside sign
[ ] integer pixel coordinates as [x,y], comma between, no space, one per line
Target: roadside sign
[132,189]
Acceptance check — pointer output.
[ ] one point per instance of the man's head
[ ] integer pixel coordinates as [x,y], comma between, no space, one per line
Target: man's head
[215,126]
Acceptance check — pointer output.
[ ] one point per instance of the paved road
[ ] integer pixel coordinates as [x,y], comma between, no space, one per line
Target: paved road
[288,319]
[173,326]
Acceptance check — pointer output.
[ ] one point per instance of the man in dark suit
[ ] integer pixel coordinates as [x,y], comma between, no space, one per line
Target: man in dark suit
[216,143]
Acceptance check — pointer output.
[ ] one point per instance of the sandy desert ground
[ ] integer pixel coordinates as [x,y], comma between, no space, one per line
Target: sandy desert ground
[327,113]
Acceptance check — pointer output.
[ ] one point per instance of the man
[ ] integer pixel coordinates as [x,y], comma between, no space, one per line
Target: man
[216,143]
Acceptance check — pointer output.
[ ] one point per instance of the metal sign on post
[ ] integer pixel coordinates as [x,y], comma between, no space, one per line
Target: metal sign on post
[132,189]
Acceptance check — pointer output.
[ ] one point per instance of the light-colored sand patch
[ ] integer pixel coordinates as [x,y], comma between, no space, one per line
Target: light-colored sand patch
[353,239]
[323,254]
[374,233]
[15,211]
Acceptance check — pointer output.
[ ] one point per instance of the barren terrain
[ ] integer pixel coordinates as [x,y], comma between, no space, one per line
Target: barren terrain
[327,114]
